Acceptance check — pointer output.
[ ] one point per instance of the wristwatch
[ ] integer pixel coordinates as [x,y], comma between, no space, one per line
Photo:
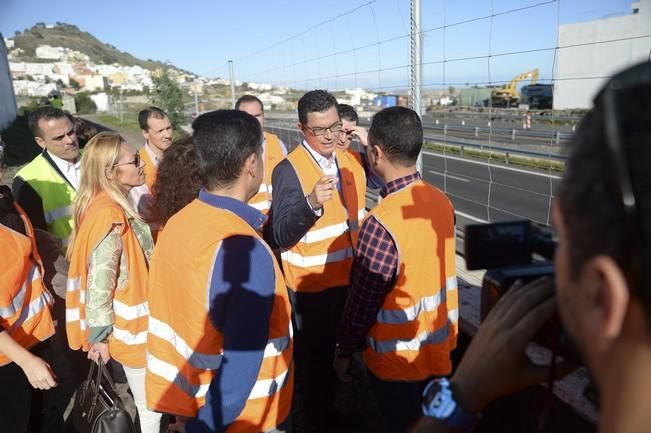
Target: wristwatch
[439,403]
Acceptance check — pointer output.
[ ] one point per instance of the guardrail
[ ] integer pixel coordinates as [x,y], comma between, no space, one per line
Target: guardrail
[507,151]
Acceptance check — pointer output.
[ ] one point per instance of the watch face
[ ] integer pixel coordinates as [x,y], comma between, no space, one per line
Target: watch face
[437,400]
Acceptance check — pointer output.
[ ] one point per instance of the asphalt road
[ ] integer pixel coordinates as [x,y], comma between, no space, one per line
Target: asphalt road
[480,192]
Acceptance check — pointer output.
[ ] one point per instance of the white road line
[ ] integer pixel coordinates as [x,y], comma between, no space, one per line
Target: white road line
[462,179]
[470,217]
[499,167]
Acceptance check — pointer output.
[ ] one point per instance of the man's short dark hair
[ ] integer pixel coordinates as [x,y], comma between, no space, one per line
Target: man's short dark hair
[399,132]
[590,198]
[314,101]
[247,99]
[148,113]
[347,112]
[223,139]
[46,112]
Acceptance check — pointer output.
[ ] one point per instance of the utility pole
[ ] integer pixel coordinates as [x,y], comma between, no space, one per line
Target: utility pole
[121,102]
[232,78]
[196,103]
[416,66]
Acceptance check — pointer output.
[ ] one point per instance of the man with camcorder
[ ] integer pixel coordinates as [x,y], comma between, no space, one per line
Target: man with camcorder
[603,217]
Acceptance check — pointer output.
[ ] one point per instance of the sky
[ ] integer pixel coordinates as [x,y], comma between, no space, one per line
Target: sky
[333,44]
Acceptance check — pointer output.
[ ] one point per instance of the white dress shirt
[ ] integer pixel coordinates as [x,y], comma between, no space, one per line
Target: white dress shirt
[329,168]
[69,169]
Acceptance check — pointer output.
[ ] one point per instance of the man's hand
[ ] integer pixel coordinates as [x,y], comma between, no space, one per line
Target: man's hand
[97,350]
[39,373]
[322,191]
[495,363]
[341,365]
[362,135]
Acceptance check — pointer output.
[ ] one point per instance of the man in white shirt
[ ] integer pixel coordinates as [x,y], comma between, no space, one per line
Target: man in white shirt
[315,211]
[46,186]
[157,130]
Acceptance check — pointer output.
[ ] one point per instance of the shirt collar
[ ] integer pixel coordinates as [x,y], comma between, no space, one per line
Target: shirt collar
[251,215]
[318,157]
[398,184]
[64,165]
[151,153]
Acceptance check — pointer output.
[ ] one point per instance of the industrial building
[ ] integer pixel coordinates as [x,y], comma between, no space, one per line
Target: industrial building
[590,52]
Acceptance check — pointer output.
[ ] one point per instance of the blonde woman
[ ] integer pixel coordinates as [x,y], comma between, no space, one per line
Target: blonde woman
[106,302]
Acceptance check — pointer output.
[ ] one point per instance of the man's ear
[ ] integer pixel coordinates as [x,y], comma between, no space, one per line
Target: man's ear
[40,142]
[608,298]
[145,134]
[250,164]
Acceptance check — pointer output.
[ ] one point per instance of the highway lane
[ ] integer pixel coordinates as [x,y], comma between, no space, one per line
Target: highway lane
[480,192]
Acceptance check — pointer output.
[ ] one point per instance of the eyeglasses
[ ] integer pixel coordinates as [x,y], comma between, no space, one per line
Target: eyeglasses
[135,162]
[335,128]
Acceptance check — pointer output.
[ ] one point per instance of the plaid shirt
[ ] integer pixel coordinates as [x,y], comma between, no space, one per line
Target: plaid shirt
[371,277]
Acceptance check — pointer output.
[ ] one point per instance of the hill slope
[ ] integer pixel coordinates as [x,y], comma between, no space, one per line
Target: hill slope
[70,36]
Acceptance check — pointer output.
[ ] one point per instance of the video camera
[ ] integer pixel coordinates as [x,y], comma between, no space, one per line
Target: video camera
[511,251]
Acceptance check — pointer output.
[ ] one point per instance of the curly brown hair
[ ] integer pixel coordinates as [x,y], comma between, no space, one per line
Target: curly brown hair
[178,181]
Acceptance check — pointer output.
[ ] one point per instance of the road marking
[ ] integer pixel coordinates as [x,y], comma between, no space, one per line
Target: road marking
[500,167]
[462,179]
[470,217]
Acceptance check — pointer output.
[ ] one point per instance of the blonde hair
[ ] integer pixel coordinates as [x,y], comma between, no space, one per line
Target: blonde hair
[99,158]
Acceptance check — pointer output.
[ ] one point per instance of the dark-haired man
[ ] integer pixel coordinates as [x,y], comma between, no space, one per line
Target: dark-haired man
[603,216]
[273,151]
[402,301]
[317,204]
[220,350]
[157,130]
[45,187]
[351,129]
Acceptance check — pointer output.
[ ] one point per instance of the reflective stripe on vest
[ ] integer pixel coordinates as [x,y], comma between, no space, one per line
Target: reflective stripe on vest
[273,154]
[417,324]
[184,349]
[25,302]
[323,256]
[56,196]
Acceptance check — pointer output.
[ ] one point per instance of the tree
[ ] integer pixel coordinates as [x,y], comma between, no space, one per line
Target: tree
[168,96]
[85,105]
[75,84]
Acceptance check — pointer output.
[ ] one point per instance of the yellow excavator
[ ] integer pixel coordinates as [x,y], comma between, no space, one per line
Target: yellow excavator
[508,95]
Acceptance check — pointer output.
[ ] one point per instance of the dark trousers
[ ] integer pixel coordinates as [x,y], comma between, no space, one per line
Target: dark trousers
[24,409]
[399,402]
[69,366]
[315,317]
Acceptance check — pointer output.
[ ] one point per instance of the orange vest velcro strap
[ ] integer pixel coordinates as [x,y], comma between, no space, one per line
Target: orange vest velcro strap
[130,307]
[24,300]
[322,258]
[416,327]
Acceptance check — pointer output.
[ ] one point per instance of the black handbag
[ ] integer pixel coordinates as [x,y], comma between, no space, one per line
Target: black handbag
[97,407]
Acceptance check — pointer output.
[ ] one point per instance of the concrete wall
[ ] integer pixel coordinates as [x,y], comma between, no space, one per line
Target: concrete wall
[598,61]
[8,109]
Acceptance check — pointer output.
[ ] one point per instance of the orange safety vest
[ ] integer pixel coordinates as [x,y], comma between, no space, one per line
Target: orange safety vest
[127,341]
[273,154]
[184,350]
[322,258]
[24,300]
[150,168]
[417,325]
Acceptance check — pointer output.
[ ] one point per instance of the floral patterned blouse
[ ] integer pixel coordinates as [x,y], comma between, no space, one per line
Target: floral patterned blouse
[108,271]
